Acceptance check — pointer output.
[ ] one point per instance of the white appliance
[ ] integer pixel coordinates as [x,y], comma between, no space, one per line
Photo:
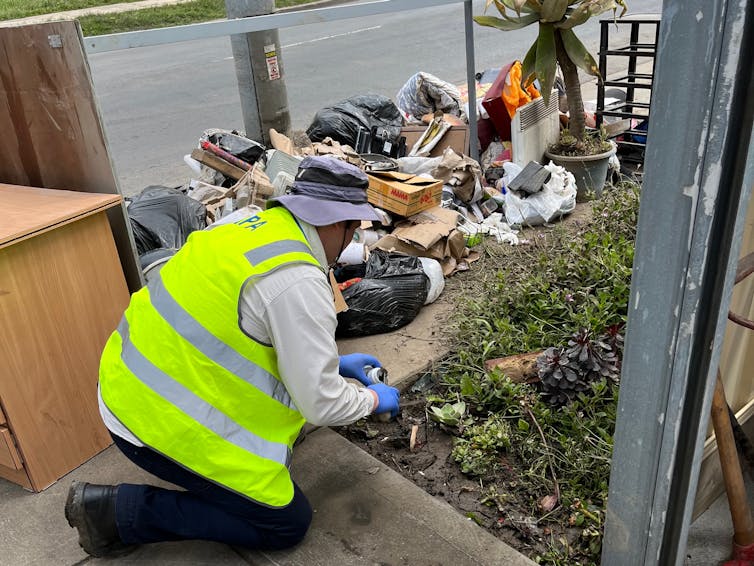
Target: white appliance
[533,128]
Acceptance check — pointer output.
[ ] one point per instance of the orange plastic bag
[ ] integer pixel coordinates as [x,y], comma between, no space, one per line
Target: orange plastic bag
[513,95]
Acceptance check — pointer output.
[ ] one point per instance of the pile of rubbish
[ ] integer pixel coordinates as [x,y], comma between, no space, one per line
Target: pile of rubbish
[435,202]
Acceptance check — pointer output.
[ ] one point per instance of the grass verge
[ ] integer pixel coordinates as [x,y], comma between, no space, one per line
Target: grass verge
[165,16]
[12,9]
[563,288]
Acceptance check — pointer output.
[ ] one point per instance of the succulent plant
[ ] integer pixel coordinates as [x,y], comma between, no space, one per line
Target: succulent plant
[448,414]
[556,44]
[559,376]
[566,371]
[613,337]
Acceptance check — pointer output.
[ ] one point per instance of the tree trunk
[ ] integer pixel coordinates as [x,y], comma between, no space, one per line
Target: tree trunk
[576,123]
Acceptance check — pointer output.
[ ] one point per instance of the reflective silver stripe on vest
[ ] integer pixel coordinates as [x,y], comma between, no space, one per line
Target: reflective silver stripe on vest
[216,350]
[268,251]
[194,406]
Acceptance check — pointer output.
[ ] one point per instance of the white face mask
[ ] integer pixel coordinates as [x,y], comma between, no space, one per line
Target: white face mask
[343,245]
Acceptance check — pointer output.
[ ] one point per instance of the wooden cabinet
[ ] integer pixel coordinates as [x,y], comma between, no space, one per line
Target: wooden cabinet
[62,293]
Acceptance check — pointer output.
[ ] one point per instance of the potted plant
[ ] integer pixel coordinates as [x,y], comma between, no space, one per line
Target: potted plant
[583,153]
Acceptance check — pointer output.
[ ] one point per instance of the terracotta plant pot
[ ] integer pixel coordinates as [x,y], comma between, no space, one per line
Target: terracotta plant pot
[590,172]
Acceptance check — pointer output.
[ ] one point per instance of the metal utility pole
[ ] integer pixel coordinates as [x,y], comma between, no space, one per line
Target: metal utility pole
[697,184]
[259,70]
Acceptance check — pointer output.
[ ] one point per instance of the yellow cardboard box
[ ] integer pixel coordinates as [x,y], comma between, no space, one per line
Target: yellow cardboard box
[403,193]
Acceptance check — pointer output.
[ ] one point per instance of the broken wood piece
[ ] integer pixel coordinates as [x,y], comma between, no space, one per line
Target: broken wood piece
[253,183]
[218,164]
[521,368]
[412,440]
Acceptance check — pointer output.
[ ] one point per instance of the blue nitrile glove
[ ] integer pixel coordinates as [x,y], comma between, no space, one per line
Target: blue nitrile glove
[387,398]
[352,365]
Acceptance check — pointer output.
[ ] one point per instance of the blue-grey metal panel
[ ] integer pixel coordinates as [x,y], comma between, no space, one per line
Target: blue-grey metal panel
[468,11]
[175,34]
[693,205]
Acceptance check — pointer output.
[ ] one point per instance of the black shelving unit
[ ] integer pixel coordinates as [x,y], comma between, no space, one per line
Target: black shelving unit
[630,144]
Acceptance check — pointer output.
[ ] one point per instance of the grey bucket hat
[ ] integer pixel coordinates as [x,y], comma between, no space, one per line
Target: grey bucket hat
[327,190]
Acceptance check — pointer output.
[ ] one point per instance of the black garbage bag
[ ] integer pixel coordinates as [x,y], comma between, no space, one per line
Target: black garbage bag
[343,273]
[390,296]
[383,264]
[162,217]
[342,121]
[235,144]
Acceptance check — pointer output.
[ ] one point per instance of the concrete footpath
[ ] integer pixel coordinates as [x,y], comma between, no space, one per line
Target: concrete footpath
[365,513]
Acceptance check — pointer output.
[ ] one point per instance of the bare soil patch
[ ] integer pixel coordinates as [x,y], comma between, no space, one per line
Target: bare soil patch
[431,467]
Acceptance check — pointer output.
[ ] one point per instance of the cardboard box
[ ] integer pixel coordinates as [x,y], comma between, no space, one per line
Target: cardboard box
[403,193]
[432,233]
[457,138]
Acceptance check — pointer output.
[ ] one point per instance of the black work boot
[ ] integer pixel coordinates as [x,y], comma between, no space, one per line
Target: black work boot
[90,509]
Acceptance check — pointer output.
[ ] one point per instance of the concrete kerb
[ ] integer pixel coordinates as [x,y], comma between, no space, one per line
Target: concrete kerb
[366,513]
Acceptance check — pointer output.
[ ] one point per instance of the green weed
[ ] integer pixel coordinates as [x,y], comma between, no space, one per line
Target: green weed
[150,18]
[570,283]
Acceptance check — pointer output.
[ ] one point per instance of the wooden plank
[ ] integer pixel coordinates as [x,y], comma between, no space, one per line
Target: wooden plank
[65,293]
[217,163]
[52,130]
[3,420]
[745,267]
[9,456]
[710,484]
[28,210]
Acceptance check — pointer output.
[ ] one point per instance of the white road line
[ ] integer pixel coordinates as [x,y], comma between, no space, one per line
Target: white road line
[320,39]
[330,37]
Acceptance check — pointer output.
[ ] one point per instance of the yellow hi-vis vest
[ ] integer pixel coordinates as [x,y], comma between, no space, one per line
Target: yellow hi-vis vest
[182,376]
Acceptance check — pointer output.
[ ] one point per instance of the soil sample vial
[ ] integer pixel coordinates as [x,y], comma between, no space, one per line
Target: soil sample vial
[378,375]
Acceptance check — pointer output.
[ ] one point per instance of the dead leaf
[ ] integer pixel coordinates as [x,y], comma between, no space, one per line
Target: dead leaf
[548,502]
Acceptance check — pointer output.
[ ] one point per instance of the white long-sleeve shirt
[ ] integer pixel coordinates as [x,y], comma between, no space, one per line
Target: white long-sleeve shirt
[292,310]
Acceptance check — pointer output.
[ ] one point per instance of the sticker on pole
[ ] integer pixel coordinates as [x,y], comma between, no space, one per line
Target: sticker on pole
[271,56]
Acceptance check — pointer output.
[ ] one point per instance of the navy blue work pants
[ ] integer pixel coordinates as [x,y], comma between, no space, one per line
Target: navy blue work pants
[205,511]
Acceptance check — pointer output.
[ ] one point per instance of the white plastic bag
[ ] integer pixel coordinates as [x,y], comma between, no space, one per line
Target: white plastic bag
[433,271]
[557,198]
[502,231]
[512,170]
[425,93]
[492,225]
[418,165]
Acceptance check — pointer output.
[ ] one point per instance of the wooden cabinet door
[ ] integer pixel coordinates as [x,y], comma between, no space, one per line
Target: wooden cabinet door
[9,456]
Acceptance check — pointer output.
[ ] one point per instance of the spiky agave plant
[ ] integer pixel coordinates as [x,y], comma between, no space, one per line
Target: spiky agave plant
[556,44]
